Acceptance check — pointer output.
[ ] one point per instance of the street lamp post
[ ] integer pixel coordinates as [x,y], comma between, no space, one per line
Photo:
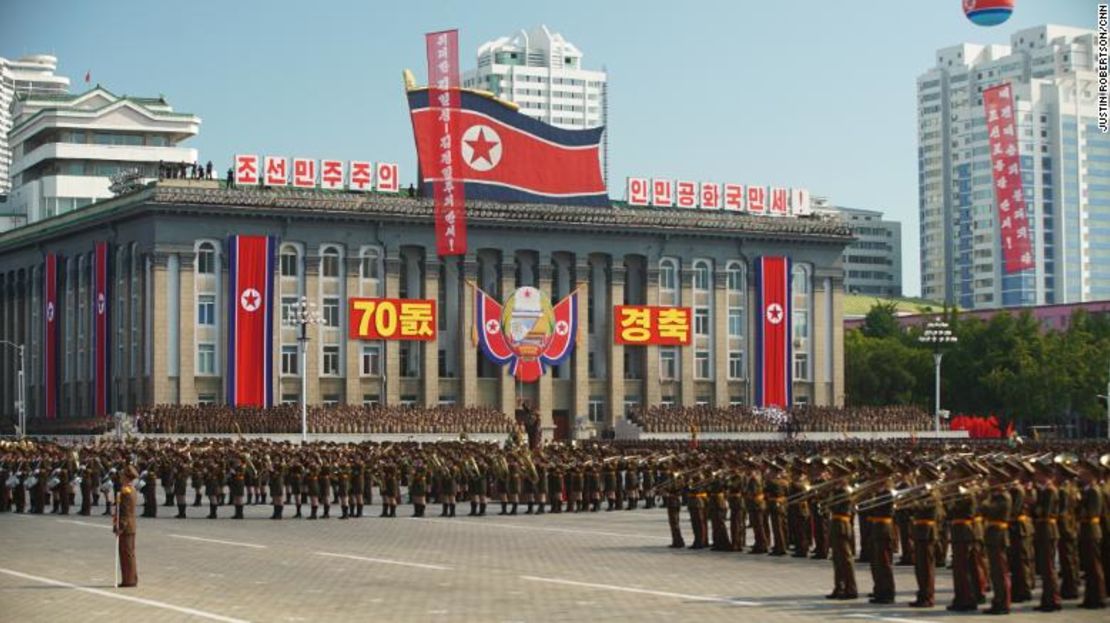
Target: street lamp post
[937,334]
[21,395]
[304,313]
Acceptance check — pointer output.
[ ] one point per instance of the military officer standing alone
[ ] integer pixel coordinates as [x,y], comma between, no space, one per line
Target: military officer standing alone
[123,525]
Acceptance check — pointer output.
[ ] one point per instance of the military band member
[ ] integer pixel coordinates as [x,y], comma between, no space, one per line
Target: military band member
[672,500]
[717,504]
[276,483]
[756,506]
[358,485]
[801,523]
[775,488]
[1021,533]
[695,506]
[925,527]
[213,487]
[323,487]
[881,518]
[737,528]
[180,485]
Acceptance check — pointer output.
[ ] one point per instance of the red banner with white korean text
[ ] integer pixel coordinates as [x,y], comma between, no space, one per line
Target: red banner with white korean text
[1013,225]
[443,92]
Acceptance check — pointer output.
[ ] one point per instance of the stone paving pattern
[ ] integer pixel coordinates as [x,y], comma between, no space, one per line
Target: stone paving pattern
[608,566]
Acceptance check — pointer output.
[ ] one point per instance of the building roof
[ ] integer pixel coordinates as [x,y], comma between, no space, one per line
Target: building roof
[152,106]
[342,206]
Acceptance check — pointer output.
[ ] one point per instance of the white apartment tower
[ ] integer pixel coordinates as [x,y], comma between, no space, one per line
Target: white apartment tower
[1065,164]
[542,72]
[25,76]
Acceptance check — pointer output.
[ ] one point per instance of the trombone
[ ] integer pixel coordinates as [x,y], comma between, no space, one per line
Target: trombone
[853,490]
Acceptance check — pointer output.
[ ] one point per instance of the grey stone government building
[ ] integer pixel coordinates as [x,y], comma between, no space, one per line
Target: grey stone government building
[169,283]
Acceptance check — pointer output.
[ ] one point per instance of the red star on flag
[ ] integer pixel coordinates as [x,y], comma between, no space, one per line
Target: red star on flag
[482,148]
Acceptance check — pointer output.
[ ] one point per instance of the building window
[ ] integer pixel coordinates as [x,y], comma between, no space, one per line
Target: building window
[329,263]
[410,360]
[735,323]
[801,366]
[736,365]
[289,360]
[331,400]
[289,399]
[701,364]
[331,360]
[371,360]
[701,275]
[206,399]
[370,400]
[801,324]
[668,363]
[290,264]
[331,311]
[668,274]
[736,277]
[206,358]
[206,258]
[206,310]
[371,264]
[597,410]
[701,321]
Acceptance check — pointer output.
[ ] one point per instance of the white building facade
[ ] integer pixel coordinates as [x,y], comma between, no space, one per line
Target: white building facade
[29,75]
[66,147]
[1065,164]
[542,73]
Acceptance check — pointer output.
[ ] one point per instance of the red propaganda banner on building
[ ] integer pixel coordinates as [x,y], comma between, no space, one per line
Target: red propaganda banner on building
[444,102]
[1013,224]
[635,325]
[102,336]
[250,315]
[50,339]
[392,319]
[773,337]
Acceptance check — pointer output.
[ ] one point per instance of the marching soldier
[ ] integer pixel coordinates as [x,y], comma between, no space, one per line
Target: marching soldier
[737,527]
[801,524]
[775,488]
[962,524]
[180,485]
[925,528]
[1090,536]
[672,500]
[277,485]
[1069,532]
[996,512]
[840,537]
[881,518]
[756,506]
[1046,536]
[1021,533]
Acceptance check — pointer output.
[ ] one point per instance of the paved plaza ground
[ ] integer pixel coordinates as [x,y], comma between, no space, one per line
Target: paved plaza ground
[607,566]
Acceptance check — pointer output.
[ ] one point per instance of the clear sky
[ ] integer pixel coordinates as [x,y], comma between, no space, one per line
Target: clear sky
[810,93]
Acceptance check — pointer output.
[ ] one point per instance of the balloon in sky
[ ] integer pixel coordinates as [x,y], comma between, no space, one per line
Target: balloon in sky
[988,12]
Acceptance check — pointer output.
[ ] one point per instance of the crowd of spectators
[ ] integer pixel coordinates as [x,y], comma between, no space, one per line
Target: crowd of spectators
[799,419]
[338,419]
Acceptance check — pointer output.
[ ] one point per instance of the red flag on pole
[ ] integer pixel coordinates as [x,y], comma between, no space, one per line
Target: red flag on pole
[88,76]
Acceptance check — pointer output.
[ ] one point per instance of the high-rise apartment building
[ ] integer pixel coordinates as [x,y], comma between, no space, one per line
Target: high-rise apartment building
[30,75]
[1065,166]
[542,72]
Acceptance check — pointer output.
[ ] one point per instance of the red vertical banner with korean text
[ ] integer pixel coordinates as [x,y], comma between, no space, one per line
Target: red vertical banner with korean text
[50,339]
[443,98]
[1013,225]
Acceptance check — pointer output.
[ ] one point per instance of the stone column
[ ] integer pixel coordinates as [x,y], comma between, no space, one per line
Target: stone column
[352,364]
[653,392]
[312,357]
[837,341]
[187,391]
[7,368]
[392,352]
[468,349]
[686,353]
[160,373]
[581,357]
[719,339]
[543,282]
[508,381]
[615,408]
[430,359]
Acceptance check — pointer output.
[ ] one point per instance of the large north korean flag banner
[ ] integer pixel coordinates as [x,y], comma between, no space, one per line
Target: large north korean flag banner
[102,336]
[772,334]
[506,155]
[250,321]
[50,339]
[1009,196]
